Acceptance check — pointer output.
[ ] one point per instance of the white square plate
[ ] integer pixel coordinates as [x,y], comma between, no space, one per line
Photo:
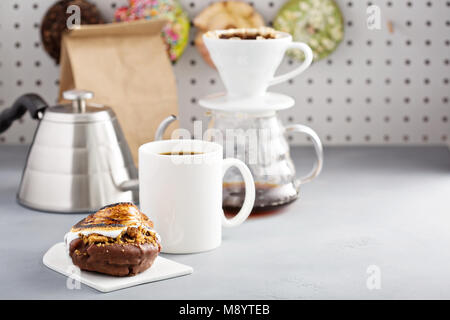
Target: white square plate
[56,258]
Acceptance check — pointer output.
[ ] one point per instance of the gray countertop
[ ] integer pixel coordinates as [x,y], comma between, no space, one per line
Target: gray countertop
[373,211]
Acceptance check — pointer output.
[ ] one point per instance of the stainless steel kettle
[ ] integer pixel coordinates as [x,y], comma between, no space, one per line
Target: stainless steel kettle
[79,160]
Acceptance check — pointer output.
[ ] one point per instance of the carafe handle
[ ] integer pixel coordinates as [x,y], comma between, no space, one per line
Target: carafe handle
[298,128]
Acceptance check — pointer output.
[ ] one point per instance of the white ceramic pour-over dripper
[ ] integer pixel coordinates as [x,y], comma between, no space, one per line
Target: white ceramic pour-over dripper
[247,67]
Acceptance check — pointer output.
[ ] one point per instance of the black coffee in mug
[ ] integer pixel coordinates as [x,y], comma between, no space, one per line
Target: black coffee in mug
[180,153]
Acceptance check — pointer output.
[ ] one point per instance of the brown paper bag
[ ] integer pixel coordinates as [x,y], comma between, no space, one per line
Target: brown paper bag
[126,66]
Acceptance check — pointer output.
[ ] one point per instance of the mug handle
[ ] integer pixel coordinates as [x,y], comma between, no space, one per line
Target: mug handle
[306,63]
[298,128]
[249,192]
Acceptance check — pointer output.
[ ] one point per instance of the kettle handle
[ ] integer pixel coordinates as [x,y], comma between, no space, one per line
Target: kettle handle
[298,128]
[31,102]
[159,134]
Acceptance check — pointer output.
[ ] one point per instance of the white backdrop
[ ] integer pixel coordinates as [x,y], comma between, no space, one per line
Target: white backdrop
[377,88]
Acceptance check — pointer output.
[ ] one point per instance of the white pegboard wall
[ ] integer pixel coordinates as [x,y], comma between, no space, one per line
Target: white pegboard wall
[377,88]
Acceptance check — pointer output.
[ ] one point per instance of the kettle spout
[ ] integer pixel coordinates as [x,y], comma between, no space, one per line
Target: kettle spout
[133,184]
[129,185]
[163,126]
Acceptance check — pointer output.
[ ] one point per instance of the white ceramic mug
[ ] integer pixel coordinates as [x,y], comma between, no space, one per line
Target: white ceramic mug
[247,67]
[182,194]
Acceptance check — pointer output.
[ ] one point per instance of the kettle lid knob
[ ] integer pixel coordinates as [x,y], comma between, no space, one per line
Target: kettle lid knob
[78,98]
[78,94]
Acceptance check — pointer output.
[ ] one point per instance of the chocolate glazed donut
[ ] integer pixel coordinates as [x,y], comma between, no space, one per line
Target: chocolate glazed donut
[113,259]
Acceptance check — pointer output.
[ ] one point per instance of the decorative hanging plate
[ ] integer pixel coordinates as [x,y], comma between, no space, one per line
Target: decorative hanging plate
[54,23]
[319,23]
[175,33]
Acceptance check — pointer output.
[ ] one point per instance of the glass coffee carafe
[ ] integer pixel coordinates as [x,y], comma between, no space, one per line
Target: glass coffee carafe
[259,140]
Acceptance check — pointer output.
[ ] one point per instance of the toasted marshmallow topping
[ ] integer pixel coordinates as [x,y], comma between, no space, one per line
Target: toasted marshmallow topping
[71,235]
[110,221]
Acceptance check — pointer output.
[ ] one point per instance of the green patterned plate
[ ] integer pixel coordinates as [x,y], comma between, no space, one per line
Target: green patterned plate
[319,23]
